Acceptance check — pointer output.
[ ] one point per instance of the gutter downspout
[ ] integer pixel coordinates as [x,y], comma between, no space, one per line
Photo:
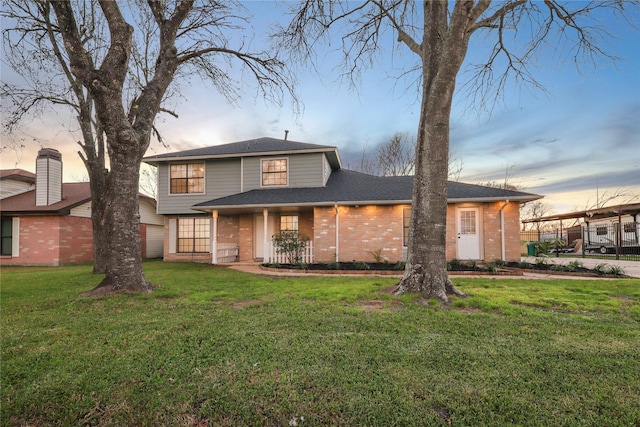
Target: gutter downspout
[214,237]
[337,234]
[502,244]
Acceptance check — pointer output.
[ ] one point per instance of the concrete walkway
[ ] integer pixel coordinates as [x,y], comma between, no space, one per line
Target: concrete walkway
[631,268]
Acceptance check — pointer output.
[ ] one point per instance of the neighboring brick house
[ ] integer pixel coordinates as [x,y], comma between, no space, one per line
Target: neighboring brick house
[225,203]
[46,222]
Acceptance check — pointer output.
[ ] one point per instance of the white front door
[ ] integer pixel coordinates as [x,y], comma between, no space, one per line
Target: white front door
[468,233]
[258,237]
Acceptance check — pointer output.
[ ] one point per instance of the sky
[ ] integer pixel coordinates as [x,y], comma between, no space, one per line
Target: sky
[574,144]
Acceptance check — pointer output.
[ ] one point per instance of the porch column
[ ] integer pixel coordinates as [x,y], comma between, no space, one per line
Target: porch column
[214,237]
[265,242]
[502,237]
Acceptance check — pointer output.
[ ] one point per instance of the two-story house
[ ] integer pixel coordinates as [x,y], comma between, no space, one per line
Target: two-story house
[225,203]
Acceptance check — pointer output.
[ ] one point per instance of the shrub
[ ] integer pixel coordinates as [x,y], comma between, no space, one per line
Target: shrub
[291,243]
[377,255]
[400,265]
[361,265]
[616,270]
[499,262]
[575,265]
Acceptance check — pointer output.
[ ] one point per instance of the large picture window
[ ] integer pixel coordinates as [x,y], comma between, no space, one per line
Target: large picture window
[274,172]
[187,178]
[193,235]
[7,236]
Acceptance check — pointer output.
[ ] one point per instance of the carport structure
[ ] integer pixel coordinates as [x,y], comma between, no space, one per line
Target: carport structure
[623,233]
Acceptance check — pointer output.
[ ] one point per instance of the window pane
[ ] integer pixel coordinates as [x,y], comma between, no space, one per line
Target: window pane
[178,171]
[468,222]
[289,223]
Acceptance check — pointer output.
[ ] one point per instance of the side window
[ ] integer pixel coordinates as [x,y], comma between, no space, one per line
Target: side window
[406,219]
[7,236]
[186,178]
[289,223]
[274,172]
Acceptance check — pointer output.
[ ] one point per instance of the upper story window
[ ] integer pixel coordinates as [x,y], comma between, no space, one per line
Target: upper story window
[274,172]
[187,178]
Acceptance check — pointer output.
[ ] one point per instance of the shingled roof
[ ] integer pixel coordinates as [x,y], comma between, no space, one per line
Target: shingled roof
[249,148]
[73,194]
[350,187]
[18,175]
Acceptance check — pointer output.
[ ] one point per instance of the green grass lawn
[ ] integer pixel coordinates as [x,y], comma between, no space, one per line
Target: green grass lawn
[218,347]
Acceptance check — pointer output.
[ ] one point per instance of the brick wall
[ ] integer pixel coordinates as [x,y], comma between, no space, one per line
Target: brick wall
[368,228]
[53,241]
[362,230]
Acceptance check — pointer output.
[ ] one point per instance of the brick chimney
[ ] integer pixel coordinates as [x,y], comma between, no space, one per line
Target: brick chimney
[48,177]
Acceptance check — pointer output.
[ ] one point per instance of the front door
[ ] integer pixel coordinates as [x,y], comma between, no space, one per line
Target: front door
[258,237]
[468,233]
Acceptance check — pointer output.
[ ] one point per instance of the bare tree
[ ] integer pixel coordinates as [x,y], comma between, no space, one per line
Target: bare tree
[438,33]
[534,210]
[116,78]
[396,157]
[507,182]
[149,181]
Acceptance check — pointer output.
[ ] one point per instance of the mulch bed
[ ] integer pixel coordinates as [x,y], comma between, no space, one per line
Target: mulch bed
[390,269]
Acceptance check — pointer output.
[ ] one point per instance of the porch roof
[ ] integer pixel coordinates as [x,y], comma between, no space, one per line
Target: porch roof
[346,187]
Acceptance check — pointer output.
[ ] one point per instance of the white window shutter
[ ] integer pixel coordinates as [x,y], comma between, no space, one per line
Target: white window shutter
[173,234]
[15,239]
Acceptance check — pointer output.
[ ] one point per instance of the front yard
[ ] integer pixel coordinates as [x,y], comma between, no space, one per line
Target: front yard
[219,347]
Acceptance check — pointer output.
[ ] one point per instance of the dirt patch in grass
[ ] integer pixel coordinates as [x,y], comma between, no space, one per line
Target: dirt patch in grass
[379,305]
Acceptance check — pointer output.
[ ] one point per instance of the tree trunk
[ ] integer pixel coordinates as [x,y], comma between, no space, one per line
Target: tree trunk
[442,52]
[101,229]
[123,270]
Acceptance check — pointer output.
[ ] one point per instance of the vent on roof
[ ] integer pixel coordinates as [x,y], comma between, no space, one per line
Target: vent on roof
[48,177]
[286,133]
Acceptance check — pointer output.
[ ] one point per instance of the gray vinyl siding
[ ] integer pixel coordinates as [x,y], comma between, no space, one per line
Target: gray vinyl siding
[305,170]
[222,178]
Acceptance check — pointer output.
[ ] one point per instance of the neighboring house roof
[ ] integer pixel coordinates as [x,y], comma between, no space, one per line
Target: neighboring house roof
[250,148]
[73,194]
[18,175]
[350,187]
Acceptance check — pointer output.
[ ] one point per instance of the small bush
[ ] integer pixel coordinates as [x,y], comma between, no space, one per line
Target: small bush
[601,268]
[400,265]
[377,255]
[616,270]
[291,243]
[499,262]
[361,265]
[575,265]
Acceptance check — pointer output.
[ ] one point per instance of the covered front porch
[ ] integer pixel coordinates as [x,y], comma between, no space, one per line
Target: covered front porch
[242,235]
